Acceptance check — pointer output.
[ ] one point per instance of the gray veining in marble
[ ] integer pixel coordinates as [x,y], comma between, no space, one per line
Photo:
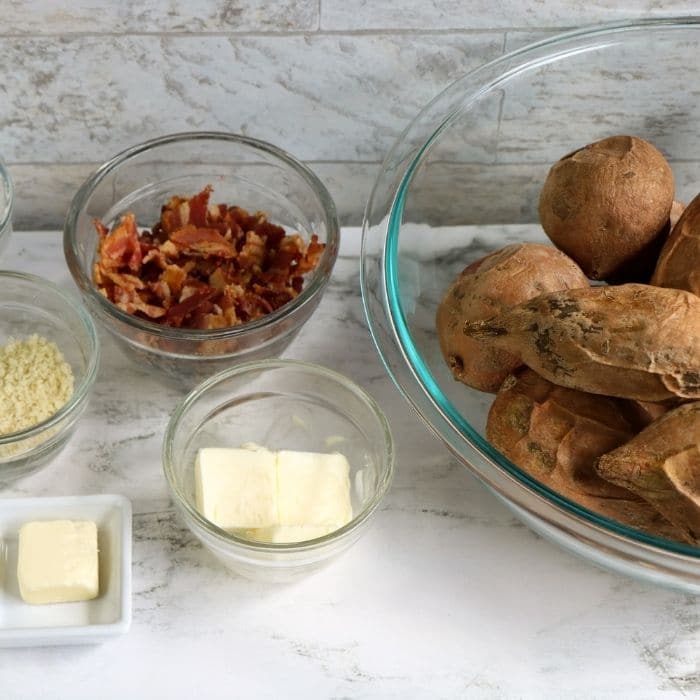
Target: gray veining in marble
[621,93]
[45,192]
[319,97]
[447,596]
[34,17]
[332,81]
[463,193]
[446,194]
[482,14]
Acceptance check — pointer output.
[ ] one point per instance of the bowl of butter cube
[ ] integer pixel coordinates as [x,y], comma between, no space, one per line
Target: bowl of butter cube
[277,466]
[65,569]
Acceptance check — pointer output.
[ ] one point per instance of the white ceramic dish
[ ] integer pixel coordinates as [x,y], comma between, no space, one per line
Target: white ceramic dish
[108,615]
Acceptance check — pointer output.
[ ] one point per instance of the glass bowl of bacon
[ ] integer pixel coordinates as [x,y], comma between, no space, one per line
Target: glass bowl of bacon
[198,251]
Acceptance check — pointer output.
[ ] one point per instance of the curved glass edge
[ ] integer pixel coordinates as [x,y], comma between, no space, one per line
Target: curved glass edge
[313,286]
[623,559]
[389,456]
[7,184]
[379,281]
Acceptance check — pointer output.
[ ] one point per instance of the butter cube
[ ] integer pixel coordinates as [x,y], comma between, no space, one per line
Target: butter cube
[58,562]
[313,489]
[283,496]
[236,488]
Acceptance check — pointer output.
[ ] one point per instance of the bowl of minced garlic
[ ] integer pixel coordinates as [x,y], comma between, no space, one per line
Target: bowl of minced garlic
[49,353]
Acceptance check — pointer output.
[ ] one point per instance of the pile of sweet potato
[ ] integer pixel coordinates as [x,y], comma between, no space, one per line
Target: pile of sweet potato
[598,387]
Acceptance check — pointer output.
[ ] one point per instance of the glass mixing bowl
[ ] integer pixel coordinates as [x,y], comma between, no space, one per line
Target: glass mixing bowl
[464,180]
[243,171]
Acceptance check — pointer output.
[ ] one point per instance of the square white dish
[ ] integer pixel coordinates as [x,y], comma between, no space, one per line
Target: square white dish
[87,622]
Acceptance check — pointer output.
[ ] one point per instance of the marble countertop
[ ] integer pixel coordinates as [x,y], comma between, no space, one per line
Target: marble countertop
[446,596]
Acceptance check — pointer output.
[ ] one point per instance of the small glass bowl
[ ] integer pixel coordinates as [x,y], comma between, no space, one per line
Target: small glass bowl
[7,193]
[32,305]
[250,173]
[280,404]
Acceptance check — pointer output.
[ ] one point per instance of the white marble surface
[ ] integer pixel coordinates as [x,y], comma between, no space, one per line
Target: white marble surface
[447,596]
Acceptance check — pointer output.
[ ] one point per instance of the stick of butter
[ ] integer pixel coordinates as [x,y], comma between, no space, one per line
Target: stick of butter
[283,496]
[57,561]
[236,488]
[313,488]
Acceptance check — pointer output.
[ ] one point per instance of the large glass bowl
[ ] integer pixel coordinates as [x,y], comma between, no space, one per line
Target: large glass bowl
[464,179]
[243,171]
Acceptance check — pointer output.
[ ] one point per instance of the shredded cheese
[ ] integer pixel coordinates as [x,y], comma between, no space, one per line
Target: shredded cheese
[35,382]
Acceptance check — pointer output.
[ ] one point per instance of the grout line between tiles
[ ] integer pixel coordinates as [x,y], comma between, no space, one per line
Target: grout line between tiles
[94,163]
[280,34]
[505,163]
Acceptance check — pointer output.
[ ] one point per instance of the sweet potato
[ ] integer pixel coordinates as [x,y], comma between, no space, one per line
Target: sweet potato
[677,209]
[662,465]
[648,411]
[679,261]
[488,286]
[641,267]
[557,434]
[632,341]
[606,203]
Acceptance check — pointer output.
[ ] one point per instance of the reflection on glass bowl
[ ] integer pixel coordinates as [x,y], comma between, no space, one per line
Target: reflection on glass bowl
[7,194]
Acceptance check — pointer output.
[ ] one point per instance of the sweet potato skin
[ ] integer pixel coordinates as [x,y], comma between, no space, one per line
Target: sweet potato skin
[648,412]
[678,265]
[662,465]
[556,435]
[488,286]
[677,209]
[632,341]
[641,267]
[607,202]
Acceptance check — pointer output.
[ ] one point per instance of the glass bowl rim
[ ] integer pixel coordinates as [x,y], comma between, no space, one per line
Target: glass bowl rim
[89,375]
[7,184]
[313,284]
[395,315]
[260,366]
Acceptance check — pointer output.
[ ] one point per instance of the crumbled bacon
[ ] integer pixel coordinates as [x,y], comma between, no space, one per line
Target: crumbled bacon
[120,247]
[252,255]
[192,302]
[202,242]
[202,265]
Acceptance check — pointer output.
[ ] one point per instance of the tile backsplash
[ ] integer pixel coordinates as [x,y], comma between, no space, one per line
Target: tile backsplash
[332,81]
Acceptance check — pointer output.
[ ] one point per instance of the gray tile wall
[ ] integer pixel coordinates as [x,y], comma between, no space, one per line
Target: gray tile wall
[332,81]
